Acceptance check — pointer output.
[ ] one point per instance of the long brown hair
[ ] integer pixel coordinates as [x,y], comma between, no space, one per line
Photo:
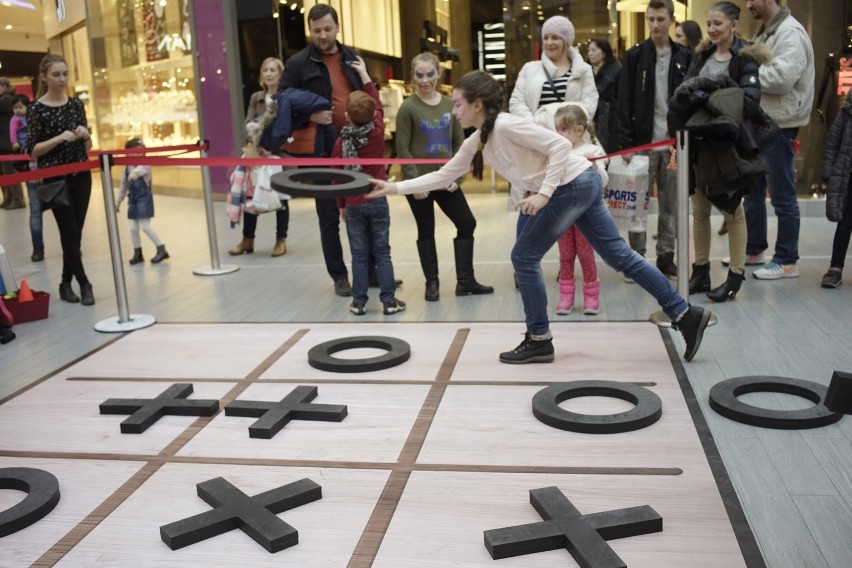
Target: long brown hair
[481,85]
[46,62]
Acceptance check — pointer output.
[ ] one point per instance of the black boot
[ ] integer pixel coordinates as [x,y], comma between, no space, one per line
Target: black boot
[38,255]
[729,288]
[137,256]
[691,326]
[466,284]
[87,296]
[700,280]
[160,256]
[429,263]
[66,293]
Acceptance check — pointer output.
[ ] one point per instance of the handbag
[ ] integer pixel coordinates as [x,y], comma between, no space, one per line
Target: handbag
[53,195]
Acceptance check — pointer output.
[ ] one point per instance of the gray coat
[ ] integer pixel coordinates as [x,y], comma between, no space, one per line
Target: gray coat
[837,162]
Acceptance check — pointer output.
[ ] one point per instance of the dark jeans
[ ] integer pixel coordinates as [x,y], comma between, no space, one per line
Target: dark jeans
[452,203]
[368,228]
[842,235]
[70,221]
[282,223]
[782,195]
[329,226]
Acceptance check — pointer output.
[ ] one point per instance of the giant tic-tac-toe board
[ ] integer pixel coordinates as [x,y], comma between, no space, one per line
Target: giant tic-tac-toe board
[426,457]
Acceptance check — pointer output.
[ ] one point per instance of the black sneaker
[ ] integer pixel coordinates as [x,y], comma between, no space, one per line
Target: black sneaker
[691,326]
[832,279]
[529,351]
[343,288]
[393,307]
[357,308]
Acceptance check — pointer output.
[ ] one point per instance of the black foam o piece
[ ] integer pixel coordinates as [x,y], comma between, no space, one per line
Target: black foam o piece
[42,490]
[545,406]
[321,182]
[723,399]
[838,398]
[322,356]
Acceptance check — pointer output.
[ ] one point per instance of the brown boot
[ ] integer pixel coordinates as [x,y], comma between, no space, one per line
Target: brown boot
[280,247]
[245,245]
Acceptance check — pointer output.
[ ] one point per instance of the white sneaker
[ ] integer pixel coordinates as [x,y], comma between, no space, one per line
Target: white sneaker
[751,260]
[629,280]
[774,271]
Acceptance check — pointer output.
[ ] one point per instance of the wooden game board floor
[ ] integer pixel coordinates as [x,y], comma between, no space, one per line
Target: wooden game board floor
[431,454]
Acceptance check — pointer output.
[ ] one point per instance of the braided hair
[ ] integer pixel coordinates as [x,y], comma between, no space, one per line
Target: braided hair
[481,85]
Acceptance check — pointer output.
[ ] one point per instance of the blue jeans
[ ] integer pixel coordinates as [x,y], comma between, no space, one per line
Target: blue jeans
[580,203]
[368,228]
[35,216]
[782,194]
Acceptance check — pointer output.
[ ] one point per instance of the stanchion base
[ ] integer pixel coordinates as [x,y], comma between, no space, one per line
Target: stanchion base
[113,325]
[662,320]
[210,271]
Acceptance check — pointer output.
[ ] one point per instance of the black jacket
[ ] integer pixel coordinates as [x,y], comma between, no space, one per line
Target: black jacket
[6,115]
[306,70]
[606,121]
[637,86]
[837,162]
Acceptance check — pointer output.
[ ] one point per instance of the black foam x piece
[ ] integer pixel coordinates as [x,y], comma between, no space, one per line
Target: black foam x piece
[584,536]
[275,415]
[145,411]
[255,516]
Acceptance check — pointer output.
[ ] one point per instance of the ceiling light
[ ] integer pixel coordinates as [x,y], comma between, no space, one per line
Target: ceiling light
[8,26]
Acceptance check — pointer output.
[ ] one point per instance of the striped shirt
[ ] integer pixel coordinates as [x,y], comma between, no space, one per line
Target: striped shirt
[547,93]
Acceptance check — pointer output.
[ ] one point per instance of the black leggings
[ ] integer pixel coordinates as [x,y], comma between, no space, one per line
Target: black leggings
[70,221]
[282,223]
[842,234]
[452,203]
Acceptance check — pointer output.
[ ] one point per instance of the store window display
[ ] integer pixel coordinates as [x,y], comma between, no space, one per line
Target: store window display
[144,79]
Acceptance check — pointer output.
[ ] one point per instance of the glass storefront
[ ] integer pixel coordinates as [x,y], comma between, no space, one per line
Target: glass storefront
[143,81]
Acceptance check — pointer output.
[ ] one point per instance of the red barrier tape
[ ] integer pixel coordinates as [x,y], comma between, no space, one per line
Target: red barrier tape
[55,171]
[666,142]
[139,157]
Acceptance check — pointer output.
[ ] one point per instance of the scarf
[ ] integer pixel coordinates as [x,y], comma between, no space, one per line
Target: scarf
[355,137]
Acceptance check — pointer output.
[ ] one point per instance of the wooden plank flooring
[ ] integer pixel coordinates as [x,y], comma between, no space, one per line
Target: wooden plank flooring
[791,328]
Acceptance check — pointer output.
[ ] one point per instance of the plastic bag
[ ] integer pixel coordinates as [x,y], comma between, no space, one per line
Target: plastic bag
[626,194]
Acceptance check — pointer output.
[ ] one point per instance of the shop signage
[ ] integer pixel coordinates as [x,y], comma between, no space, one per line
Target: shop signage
[127,31]
[154,21]
[491,44]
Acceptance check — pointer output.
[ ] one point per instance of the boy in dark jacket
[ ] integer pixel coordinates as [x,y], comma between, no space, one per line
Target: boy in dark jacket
[367,221]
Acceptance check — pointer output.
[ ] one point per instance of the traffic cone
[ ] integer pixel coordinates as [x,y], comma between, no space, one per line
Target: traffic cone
[24,294]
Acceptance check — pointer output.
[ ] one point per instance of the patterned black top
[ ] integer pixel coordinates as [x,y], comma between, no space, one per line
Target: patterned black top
[45,122]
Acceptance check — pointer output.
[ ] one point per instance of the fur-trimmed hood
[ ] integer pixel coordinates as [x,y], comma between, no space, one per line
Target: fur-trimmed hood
[760,52]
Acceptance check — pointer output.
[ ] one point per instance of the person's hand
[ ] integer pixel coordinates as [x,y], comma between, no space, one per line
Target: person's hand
[361,68]
[82,133]
[421,195]
[67,136]
[16,146]
[629,156]
[321,117]
[381,188]
[452,187]
[532,204]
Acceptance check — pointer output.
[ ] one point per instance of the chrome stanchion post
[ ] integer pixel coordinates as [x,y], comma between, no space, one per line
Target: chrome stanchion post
[215,268]
[125,320]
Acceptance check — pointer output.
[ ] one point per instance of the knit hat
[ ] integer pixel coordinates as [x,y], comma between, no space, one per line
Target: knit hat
[559,26]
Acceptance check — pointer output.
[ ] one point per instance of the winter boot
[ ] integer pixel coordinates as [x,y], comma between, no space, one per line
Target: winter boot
[137,256]
[246,245]
[691,326]
[38,255]
[280,247]
[729,288]
[466,284]
[592,298]
[161,255]
[429,263]
[566,297]
[700,280]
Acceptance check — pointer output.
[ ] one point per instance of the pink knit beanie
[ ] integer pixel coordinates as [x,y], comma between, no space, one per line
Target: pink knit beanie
[559,26]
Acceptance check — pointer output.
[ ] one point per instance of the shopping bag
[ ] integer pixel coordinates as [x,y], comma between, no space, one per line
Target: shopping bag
[265,199]
[626,193]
